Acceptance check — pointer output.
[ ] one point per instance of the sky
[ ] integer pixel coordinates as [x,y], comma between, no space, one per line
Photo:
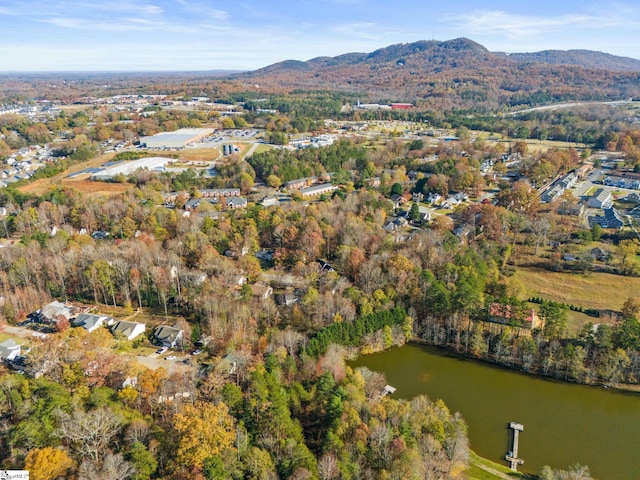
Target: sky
[199,35]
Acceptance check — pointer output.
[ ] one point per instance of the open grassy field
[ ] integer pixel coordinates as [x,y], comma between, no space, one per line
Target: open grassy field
[195,154]
[595,290]
[263,147]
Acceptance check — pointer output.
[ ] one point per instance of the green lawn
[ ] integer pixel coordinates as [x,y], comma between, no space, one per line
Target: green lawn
[262,148]
[491,471]
[4,336]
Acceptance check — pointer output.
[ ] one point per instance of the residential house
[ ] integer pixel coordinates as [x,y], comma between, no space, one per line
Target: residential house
[261,291]
[464,233]
[167,336]
[324,266]
[397,200]
[632,198]
[425,213]
[264,254]
[129,330]
[171,197]
[396,224]
[9,350]
[100,235]
[53,311]
[91,322]
[601,199]
[552,193]
[506,314]
[318,190]
[192,204]
[390,227]
[599,254]
[434,197]
[287,299]
[584,170]
[569,180]
[236,202]
[613,218]
[300,183]
[270,201]
[220,192]
[450,202]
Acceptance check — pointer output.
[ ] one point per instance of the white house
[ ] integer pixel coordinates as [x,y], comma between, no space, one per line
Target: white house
[91,322]
[9,350]
[51,312]
[129,330]
[317,190]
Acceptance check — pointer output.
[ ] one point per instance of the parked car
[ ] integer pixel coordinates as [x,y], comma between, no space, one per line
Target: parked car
[170,357]
[160,351]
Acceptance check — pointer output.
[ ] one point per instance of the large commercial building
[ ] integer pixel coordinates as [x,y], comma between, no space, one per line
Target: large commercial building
[176,140]
[154,164]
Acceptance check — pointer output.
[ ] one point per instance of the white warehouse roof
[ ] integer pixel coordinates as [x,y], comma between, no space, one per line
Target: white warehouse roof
[155,164]
[178,139]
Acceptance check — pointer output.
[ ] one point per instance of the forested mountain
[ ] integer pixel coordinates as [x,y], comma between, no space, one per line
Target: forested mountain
[582,58]
[460,73]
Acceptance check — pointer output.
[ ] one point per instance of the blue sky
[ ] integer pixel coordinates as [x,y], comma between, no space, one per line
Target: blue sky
[176,35]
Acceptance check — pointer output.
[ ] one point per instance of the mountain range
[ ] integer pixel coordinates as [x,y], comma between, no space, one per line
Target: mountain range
[460,72]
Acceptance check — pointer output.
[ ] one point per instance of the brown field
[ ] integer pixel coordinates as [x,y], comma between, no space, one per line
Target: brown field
[41,186]
[88,187]
[195,154]
[84,185]
[596,290]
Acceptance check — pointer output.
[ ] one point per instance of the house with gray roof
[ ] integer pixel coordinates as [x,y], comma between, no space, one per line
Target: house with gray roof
[53,311]
[91,322]
[167,336]
[613,218]
[318,190]
[9,350]
[129,330]
[601,199]
[237,202]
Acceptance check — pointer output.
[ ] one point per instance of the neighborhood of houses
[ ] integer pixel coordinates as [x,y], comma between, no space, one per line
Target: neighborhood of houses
[596,204]
[48,319]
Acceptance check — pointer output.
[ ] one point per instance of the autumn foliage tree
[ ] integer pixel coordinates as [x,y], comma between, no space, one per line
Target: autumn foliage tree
[47,463]
[205,430]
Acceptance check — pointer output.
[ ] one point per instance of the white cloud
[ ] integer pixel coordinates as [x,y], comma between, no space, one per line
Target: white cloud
[514,26]
[203,9]
[361,30]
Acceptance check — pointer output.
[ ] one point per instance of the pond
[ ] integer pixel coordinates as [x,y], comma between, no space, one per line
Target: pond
[563,423]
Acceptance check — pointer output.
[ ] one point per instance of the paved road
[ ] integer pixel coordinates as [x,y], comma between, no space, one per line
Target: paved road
[254,145]
[569,105]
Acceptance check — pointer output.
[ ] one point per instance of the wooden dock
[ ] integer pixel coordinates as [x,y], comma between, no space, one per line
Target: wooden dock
[386,391]
[512,456]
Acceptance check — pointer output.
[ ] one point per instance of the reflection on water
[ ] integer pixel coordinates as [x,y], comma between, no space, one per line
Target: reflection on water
[563,423]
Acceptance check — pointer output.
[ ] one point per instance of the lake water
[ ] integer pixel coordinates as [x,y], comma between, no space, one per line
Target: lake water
[563,423]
